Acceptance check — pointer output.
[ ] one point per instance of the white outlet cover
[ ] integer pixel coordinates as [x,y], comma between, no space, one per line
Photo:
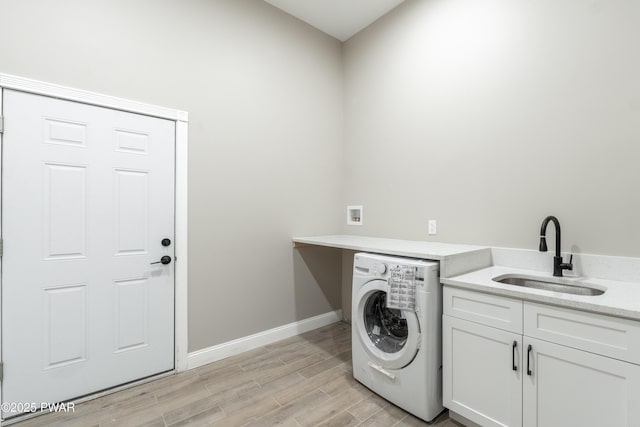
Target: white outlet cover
[433,230]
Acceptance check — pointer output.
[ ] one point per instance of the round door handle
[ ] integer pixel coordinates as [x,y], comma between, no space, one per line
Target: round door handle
[164,260]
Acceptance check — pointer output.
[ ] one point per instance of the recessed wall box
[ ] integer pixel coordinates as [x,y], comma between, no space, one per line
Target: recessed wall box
[354,215]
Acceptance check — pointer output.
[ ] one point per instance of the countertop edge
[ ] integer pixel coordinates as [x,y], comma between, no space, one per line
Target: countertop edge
[324,241]
[545,299]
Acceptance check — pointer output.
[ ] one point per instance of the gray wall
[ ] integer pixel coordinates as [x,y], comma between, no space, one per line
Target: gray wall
[486,116]
[264,93]
[489,115]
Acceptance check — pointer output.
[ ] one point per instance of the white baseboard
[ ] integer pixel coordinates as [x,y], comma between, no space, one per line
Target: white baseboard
[231,348]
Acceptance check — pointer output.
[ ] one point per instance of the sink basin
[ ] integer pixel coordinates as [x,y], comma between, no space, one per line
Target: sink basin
[562,285]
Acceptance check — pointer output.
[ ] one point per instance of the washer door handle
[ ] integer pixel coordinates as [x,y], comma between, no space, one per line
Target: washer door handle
[382,370]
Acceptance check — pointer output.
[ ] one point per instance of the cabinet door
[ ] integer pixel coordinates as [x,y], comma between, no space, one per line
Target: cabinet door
[480,382]
[569,387]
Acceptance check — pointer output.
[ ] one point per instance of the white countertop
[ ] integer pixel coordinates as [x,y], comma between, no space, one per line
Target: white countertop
[474,267]
[408,248]
[454,259]
[619,299]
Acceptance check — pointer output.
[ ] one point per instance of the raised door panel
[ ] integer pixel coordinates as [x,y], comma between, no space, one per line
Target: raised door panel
[65,325]
[131,314]
[65,211]
[569,387]
[132,212]
[479,379]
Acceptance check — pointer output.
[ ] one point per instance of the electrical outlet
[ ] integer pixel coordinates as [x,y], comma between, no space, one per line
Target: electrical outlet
[432,227]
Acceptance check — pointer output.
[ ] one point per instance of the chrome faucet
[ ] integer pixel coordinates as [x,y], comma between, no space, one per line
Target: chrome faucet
[558,265]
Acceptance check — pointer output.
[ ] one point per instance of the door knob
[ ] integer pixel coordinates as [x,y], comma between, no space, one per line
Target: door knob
[164,260]
[165,242]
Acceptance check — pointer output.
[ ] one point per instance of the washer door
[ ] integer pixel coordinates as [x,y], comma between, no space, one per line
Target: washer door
[391,337]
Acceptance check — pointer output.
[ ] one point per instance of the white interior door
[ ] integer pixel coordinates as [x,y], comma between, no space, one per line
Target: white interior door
[87,197]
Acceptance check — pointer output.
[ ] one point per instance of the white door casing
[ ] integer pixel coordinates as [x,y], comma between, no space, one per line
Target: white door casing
[88,196]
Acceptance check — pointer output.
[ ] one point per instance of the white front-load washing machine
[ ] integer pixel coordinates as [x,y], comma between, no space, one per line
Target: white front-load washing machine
[396,331]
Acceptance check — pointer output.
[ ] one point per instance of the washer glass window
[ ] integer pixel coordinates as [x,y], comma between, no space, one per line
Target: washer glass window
[386,327]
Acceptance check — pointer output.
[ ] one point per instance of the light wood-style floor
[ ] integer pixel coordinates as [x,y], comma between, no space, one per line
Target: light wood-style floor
[305,380]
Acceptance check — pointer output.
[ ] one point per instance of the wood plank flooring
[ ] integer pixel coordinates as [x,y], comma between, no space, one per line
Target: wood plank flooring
[302,381]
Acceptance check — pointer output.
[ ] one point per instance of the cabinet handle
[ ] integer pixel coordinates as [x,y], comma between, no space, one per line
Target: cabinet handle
[513,356]
[528,359]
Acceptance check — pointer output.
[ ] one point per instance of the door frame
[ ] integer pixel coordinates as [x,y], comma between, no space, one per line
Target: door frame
[181,119]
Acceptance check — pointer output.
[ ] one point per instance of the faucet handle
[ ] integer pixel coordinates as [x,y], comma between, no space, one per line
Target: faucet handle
[567,265]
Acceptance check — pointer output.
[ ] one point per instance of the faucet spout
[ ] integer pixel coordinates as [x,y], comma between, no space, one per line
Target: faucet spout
[543,233]
[558,265]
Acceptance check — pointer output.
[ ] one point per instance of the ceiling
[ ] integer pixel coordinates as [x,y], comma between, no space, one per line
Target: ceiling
[338,18]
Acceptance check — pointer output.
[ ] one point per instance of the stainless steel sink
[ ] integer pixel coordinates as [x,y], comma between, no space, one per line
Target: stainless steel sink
[562,285]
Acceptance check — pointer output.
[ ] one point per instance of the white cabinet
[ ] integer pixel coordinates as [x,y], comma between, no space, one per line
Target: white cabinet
[557,367]
[481,383]
[569,387]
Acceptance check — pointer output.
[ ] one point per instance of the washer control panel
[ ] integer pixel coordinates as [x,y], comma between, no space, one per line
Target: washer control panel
[379,268]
